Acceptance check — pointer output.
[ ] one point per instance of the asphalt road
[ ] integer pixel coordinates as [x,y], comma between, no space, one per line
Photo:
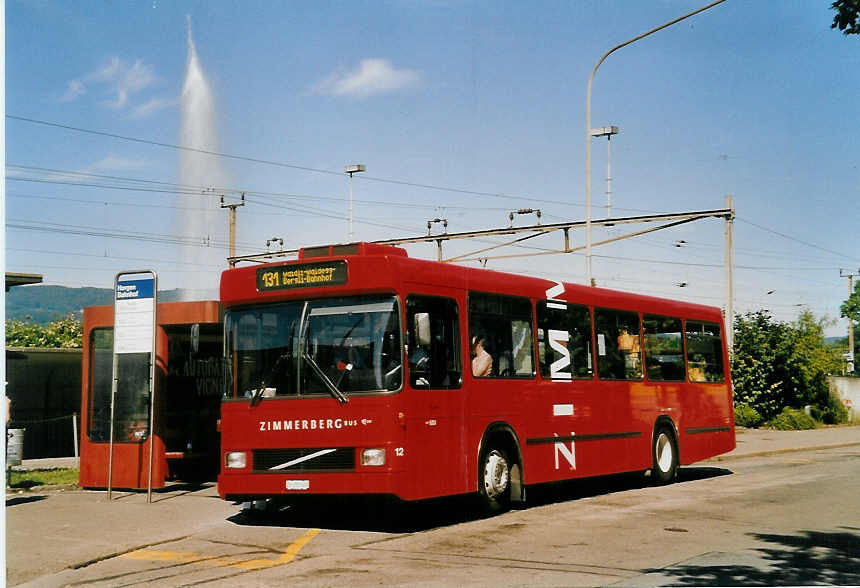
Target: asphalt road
[786,519]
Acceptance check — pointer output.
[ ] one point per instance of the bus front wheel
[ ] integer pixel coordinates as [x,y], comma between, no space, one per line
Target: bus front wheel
[664,455]
[495,487]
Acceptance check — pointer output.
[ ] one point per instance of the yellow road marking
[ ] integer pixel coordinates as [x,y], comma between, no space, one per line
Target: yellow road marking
[296,546]
[189,557]
[154,555]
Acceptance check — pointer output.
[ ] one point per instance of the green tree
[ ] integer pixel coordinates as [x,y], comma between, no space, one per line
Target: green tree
[850,309]
[846,16]
[816,360]
[64,333]
[761,362]
[777,365]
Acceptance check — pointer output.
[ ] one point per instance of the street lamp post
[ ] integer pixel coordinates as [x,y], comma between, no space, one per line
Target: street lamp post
[589,275]
[607,132]
[352,169]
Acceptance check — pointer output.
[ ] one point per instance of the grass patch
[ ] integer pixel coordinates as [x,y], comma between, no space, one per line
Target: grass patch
[49,477]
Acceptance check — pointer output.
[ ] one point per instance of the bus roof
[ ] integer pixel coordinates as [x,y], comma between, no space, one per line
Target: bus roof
[376,267]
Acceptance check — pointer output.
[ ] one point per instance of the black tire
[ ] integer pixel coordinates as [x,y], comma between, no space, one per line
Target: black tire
[495,479]
[664,456]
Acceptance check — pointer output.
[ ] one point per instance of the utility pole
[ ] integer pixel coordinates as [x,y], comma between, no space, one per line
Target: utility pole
[850,356]
[730,275]
[352,169]
[233,208]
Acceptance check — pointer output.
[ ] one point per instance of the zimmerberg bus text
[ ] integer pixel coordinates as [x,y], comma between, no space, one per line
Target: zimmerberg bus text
[307,424]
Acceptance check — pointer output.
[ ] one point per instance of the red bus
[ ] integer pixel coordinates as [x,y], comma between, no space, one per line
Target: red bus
[350,371]
[188,386]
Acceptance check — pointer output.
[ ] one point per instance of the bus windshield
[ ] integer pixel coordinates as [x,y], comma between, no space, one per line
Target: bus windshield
[336,346]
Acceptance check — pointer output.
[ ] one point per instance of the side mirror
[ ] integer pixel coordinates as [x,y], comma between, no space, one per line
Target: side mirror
[422,328]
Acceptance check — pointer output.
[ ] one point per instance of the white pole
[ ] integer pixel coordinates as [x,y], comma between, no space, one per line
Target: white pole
[152,357]
[608,176]
[589,276]
[350,209]
[75,432]
[730,285]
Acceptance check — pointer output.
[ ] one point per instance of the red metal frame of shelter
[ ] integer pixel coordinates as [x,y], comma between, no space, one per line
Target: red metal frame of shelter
[131,457]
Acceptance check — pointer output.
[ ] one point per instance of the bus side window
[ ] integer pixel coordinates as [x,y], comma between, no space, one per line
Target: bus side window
[619,356]
[564,341]
[503,324]
[664,354]
[704,352]
[434,342]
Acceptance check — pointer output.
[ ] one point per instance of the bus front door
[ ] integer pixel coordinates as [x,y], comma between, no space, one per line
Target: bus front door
[434,397]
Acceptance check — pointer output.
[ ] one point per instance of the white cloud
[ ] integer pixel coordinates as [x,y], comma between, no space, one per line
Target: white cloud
[115,163]
[372,76]
[130,81]
[74,89]
[107,72]
[117,78]
[151,107]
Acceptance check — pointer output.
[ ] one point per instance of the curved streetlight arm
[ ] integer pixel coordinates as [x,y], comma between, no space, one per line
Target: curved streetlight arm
[588,125]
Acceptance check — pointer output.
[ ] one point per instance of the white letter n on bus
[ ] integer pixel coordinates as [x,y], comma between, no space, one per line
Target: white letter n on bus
[568,454]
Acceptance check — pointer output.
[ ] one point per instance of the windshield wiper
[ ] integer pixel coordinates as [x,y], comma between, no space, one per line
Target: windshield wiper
[335,391]
[257,396]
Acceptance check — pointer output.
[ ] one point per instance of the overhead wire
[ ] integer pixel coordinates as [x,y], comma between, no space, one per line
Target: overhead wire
[176,189]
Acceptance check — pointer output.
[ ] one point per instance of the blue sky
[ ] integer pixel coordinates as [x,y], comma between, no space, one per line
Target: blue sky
[485,101]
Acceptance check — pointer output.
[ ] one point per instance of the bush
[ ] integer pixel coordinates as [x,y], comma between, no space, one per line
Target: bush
[747,416]
[64,332]
[791,419]
[832,413]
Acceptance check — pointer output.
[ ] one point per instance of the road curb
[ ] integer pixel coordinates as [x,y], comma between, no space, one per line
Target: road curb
[778,451]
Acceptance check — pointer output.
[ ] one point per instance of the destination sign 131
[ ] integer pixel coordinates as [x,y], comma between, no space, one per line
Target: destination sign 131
[306,275]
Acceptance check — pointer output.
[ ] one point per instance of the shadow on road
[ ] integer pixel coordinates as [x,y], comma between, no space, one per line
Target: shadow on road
[389,515]
[23,500]
[810,558]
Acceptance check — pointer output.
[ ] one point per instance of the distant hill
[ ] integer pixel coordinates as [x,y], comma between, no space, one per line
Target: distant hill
[43,304]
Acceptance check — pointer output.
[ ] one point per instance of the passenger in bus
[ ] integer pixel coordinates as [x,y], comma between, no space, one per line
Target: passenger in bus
[482,362]
[628,344]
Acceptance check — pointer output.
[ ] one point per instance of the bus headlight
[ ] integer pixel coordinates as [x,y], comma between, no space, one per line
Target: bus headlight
[373,457]
[236,460]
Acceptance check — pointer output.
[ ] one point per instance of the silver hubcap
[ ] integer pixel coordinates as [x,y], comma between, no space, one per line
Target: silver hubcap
[496,474]
[665,457]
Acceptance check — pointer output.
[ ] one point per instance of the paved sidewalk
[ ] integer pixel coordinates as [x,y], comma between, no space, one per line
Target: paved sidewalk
[753,442]
[48,463]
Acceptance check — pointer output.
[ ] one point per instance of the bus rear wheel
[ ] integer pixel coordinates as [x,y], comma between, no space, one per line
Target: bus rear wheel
[664,455]
[495,487]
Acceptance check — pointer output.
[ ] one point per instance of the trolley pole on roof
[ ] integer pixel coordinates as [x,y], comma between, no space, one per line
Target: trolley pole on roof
[589,275]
